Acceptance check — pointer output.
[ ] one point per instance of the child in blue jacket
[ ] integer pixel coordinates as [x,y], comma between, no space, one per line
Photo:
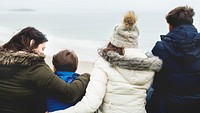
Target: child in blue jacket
[65,64]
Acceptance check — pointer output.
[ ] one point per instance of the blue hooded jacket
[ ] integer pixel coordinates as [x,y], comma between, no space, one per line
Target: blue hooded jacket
[177,85]
[54,104]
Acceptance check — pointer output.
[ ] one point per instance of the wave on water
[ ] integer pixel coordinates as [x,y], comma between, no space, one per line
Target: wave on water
[86,50]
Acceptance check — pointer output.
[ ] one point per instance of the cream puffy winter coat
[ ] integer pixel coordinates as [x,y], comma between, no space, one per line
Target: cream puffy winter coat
[116,90]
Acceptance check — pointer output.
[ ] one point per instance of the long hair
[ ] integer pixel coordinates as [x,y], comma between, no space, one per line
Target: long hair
[110,47]
[129,19]
[21,41]
[65,60]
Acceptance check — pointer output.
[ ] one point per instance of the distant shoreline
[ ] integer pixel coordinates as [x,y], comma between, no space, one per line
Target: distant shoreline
[22,10]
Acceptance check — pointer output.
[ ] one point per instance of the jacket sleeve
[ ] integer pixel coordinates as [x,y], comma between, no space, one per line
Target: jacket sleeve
[44,79]
[160,50]
[94,94]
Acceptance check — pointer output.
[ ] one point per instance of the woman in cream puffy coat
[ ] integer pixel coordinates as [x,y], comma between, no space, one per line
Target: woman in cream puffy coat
[118,84]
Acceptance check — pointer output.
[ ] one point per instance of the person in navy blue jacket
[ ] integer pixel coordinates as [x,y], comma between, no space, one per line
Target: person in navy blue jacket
[65,64]
[177,85]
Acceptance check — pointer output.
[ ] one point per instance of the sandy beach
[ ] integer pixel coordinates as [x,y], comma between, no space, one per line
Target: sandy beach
[1,42]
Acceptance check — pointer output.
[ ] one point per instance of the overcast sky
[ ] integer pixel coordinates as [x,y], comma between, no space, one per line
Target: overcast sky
[97,5]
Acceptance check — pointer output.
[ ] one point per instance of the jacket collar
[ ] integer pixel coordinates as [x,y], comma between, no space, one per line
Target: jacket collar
[183,42]
[182,34]
[149,63]
[21,58]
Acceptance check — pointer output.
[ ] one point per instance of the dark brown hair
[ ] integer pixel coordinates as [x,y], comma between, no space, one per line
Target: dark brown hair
[180,15]
[110,47]
[65,60]
[21,41]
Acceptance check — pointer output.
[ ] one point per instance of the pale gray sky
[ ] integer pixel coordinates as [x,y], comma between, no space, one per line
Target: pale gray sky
[97,5]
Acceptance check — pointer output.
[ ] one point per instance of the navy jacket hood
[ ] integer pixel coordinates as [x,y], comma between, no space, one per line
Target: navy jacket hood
[184,43]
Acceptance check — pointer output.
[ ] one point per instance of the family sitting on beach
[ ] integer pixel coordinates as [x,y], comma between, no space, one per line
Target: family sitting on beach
[120,79]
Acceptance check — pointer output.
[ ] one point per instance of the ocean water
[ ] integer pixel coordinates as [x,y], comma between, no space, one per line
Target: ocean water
[82,32]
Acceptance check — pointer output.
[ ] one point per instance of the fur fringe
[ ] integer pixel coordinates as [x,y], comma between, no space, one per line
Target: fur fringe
[19,58]
[150,63]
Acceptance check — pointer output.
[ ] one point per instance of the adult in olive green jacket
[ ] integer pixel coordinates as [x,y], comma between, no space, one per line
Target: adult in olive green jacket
[25,78]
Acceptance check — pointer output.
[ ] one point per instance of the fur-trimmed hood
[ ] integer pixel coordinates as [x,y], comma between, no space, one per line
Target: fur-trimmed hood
[20,58]
[150,63]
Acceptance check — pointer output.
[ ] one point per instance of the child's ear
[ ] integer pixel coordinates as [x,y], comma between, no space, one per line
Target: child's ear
[32,42]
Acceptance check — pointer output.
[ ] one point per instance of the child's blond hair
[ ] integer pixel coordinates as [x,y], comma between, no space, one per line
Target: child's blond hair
[129,19]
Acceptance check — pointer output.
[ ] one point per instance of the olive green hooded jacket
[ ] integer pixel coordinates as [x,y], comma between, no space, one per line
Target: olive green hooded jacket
[25,79]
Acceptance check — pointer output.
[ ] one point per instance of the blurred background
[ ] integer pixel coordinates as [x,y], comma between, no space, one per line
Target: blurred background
[86,25]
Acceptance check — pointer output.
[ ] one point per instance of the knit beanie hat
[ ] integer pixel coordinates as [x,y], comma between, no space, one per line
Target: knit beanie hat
[125,34]
[124,38]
